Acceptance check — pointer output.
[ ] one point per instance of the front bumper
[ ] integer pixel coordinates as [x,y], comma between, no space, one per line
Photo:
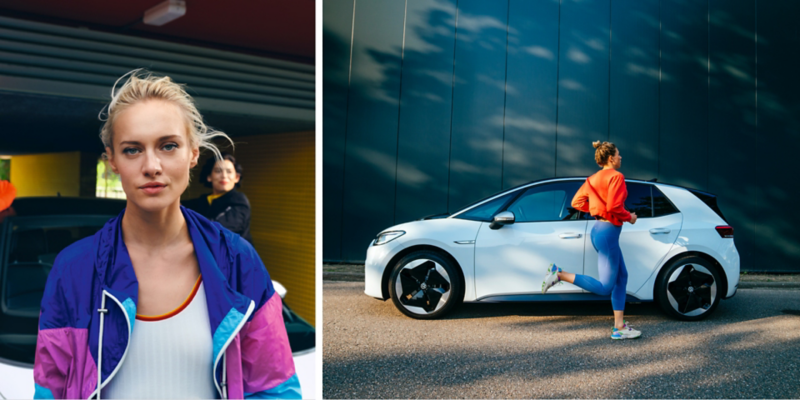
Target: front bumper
[378,258]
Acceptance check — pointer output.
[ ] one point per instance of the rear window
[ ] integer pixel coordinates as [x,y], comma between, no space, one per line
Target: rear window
[661,204]
[639,200]
[710,200]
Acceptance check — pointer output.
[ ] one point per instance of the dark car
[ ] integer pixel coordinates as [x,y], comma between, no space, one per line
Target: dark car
[31,239]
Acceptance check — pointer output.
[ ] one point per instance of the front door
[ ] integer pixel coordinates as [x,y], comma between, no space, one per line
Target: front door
[513,260]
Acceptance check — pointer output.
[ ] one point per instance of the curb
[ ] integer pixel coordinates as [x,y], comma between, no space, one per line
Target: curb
[343,276]
[764,285]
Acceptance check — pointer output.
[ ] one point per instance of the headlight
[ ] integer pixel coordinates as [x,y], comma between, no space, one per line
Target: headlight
[386,237]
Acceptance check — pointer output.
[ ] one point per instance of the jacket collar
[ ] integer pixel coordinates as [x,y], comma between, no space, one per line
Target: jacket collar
[214,256]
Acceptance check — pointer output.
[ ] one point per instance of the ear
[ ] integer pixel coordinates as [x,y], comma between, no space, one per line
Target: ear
[195,156]
[111,161]
[238,176]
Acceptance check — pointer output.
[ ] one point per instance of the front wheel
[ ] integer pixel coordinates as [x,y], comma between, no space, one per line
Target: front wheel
[688,288]
[425,285]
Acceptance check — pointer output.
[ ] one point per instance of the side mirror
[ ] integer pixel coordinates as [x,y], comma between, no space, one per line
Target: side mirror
[502,219]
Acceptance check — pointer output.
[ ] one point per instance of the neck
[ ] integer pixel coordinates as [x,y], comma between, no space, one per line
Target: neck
[153,229]
[608,167]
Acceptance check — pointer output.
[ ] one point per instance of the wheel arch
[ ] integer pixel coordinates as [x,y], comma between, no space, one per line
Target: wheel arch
[387,272]
[713,261]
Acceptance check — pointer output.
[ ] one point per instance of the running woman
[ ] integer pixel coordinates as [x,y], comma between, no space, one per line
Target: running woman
[603,196]
[161,302]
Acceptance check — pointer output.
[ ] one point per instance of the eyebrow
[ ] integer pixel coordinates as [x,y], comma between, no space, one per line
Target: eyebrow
[161,139]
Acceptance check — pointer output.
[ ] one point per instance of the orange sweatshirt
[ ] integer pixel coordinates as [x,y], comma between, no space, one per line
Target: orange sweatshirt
[609,184]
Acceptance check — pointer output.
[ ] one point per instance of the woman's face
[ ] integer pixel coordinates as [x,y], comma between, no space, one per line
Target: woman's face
[152,154]
[223,177]
[616,160]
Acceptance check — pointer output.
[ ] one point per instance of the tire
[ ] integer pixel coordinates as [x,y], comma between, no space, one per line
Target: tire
[425,285]
[688,288]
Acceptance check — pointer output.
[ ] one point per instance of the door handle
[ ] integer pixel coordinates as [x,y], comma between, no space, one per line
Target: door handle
[570,235]
[656,231]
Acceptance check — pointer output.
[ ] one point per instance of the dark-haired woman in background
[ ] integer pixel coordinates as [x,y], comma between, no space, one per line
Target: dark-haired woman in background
[225,204]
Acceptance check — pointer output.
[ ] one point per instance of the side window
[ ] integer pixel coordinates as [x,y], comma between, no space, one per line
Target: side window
[486,211]
[30,248]
[640,200]
[550,202]
[661,204]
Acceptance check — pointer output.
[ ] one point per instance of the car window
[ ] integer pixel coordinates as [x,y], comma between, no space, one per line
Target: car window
[486,211]
[548,202]
[661,204]
[640,200]
[30,248]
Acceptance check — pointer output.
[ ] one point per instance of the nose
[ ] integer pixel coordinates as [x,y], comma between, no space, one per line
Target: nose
[152,164]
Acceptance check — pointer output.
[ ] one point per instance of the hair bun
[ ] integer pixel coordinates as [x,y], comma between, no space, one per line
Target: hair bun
[596,144]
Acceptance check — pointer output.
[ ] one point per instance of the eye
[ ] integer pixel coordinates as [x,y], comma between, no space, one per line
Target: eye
[130,151]
[170,146]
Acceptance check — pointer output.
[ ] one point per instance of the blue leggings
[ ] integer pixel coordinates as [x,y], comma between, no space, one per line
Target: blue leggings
[610,266]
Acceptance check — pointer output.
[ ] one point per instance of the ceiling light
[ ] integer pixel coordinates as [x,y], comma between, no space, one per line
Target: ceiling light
[165,12]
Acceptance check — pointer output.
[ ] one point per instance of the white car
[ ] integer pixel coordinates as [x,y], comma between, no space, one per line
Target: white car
[680,253]
[29,243]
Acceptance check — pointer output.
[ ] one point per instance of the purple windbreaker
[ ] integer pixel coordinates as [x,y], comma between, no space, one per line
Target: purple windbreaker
[249,336]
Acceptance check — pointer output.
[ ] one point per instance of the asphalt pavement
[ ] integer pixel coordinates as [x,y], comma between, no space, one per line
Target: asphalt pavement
[749,348]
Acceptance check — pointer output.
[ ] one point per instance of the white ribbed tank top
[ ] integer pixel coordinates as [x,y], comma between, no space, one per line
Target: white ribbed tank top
[169,356]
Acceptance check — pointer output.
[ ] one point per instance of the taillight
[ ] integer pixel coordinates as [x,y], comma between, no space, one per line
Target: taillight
[725,231]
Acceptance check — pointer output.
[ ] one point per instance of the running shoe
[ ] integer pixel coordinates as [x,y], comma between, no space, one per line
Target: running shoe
[625,333]
[551,279]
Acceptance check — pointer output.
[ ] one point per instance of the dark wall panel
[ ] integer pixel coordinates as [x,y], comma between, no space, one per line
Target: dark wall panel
[583,84]
[478,101]
[732,118]
[425,103]
[683,154]
[335,71]
[529,149]
[371,148]
[778,137]
[634,85]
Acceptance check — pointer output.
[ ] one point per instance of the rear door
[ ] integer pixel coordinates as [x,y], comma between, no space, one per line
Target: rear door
[513,260]
[645,243]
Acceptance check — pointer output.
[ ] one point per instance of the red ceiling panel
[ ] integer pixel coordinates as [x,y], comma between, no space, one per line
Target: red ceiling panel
[277,28]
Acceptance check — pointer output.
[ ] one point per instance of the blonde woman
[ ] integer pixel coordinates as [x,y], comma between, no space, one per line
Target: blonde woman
[160,303]
[603,196]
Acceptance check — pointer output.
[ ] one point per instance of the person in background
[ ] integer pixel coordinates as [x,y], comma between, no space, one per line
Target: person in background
[224,204]
[7,195]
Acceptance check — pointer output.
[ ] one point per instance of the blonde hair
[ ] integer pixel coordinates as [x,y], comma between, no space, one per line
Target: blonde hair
[142,85]
[605,150]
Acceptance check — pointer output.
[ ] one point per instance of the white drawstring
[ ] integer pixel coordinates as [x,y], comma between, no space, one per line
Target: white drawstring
[102,311]
[224,377]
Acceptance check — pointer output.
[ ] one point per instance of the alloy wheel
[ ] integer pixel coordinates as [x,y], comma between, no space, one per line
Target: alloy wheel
[423,286]
[691,290]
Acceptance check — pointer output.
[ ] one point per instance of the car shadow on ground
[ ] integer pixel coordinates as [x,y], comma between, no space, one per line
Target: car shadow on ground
[547,308]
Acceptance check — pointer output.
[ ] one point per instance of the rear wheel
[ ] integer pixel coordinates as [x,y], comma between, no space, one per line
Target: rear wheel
[688,288]
[425,285]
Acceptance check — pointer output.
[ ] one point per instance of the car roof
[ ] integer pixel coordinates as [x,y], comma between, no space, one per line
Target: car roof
[36,206]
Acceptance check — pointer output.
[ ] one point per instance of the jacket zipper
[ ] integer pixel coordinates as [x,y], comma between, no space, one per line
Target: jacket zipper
[225,347]
[102,311]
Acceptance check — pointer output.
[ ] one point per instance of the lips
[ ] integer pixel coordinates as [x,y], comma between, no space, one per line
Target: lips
[153,187]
